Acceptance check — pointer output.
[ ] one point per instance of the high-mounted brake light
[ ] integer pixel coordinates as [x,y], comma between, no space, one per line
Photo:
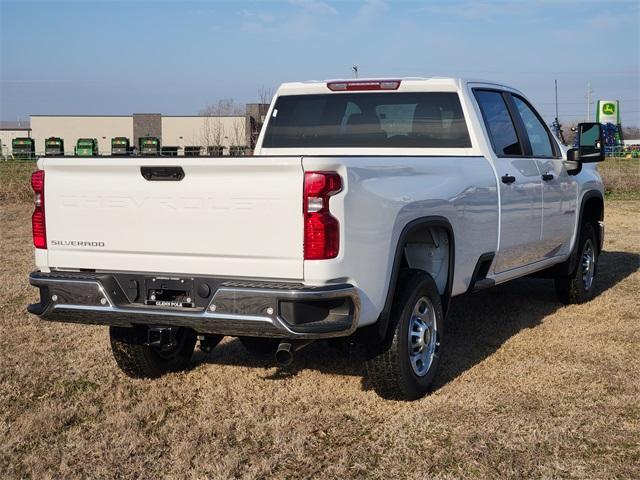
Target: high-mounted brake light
[321,229]
[37,219]
[363,85]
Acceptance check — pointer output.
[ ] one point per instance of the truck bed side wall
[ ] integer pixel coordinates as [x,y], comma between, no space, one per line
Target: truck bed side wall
[382,195]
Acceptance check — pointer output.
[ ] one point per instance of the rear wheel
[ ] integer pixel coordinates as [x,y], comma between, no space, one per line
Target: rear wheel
[579,287]
[404,366]
[138,360]
[209,342]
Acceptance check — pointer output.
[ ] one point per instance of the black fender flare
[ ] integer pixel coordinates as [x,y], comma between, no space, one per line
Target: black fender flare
[568,266]
[588,195]
[377,332]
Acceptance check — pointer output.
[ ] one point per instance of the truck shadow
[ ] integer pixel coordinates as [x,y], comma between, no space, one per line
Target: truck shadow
[481,323]
[478,325]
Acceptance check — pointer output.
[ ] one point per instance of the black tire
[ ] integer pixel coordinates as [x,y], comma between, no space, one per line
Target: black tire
[209,342]
[141,361]
[260,346]
[389,367]
[575,288]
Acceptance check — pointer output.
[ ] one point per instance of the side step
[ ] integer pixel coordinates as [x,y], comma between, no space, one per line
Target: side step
[483,284]
[479,280]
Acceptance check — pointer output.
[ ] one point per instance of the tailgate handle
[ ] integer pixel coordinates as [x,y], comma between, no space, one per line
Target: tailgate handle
[162,174]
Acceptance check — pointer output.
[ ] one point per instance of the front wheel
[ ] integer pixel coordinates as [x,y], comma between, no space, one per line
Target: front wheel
[580,286]
[138,360]
[404,366]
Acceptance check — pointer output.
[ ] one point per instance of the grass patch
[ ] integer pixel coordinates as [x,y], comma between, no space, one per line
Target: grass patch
[621,177]
[15,181]
[72,387]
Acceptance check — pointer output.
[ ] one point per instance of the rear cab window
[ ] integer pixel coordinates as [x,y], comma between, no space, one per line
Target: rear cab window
[378,120]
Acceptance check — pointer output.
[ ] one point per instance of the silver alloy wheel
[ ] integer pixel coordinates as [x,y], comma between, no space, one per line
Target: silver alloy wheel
[588,265]
[423,336]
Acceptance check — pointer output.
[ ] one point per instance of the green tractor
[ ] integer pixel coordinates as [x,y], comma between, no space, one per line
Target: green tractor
[86,147]
[149,146]
[54,146]
[120,146]
[23,148]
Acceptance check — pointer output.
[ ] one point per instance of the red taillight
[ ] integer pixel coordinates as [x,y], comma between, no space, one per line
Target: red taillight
[37,219]
[321,229]
[349,86]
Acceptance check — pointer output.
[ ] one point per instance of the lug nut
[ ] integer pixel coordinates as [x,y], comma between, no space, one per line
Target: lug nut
[270,311]
[212,308]
[54,298]
[103,301]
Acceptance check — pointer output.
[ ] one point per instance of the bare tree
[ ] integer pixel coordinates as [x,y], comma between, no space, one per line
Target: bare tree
[265,95]
[631,133]
[224,107]
[238,132]
[212,132]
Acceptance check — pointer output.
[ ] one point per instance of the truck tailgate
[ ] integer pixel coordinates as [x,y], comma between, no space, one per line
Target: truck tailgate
[234,217]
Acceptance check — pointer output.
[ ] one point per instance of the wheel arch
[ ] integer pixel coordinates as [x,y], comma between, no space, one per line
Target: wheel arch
[592,211]
[376,332]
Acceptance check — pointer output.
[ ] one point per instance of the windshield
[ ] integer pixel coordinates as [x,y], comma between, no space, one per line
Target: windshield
[416,120]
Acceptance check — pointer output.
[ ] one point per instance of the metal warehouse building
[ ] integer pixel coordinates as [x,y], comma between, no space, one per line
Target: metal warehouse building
[194,133]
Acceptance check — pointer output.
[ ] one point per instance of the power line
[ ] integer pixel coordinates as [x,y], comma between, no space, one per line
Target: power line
[551,115]
[581,103]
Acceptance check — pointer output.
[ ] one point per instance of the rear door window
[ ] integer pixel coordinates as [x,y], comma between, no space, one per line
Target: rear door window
[499,123]
[414,120]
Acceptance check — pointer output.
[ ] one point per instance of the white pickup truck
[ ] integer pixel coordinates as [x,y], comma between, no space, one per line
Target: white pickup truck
[368,206]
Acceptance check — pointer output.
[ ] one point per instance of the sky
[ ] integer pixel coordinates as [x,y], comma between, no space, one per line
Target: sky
[176,57]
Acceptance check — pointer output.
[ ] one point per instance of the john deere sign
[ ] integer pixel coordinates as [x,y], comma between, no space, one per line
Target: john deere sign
[608,111]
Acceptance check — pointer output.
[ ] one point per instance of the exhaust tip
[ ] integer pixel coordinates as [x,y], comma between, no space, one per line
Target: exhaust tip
[284,355]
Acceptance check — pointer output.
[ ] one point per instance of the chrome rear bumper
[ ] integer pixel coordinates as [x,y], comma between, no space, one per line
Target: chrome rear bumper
[264,309]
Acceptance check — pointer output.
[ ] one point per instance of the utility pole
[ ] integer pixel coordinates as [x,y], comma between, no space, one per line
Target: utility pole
[556,85]
[355,71]
[588,96]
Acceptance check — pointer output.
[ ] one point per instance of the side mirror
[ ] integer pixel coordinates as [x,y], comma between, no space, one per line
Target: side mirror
[590,144]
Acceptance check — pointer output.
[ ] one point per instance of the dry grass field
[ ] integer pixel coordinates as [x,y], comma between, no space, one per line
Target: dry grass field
[529,388]
[621,177]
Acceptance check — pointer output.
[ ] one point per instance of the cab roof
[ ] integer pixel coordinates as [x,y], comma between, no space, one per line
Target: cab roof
[407,84]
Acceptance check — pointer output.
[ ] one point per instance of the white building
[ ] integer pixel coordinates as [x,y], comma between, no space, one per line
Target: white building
[176,132]
[9,131]
[173,131]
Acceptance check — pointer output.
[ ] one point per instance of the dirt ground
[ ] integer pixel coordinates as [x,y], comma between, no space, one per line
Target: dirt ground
[529,388]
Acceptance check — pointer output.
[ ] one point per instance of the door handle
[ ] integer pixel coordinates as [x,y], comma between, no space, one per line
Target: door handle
[547,176]
[508,179]
[162,174]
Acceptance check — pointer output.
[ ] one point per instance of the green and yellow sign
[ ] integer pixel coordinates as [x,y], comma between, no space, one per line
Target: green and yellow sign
[608,111]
